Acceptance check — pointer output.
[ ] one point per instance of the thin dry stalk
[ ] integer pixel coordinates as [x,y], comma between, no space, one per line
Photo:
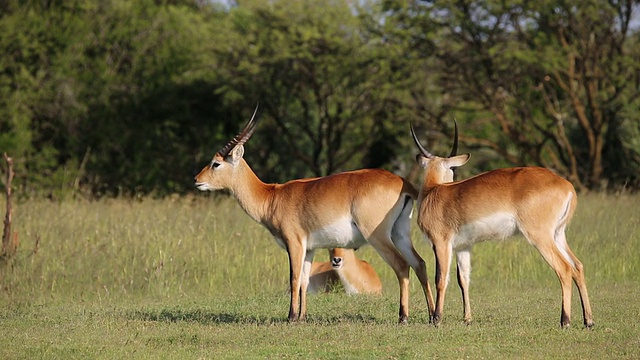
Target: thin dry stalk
[9,240]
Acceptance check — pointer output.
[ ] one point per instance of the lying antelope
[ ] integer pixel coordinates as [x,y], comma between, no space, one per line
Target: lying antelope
[322,278]
[495,205]
[356,276]
[344,210]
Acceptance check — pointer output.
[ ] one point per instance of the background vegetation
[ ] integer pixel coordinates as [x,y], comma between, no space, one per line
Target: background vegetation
[117,104]
[196,278]
[119,97]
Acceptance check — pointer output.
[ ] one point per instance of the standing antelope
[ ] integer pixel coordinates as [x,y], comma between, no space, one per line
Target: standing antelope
[497,204]
[343,210]
[356,276]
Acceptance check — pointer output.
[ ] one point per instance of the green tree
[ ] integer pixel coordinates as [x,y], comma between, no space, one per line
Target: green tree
[134,97]
[34,98]
[114,96]
[144,62]
[546,83]
[321,77]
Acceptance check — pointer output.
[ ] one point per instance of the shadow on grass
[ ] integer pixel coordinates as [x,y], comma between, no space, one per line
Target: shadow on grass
[205,318]
[199,316]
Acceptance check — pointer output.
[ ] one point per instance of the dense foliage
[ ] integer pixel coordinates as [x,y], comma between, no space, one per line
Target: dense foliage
[120,97]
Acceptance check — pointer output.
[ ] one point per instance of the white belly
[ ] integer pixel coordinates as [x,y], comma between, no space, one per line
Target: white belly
[496,226]
[340,234]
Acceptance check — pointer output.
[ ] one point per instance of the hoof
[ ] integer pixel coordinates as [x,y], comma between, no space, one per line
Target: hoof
[436,321]
[589,325]
[297,319]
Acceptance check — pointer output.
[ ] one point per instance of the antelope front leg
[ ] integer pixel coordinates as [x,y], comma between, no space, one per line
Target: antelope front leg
[296,256]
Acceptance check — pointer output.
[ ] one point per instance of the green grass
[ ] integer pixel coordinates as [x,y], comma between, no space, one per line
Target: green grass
[191,278]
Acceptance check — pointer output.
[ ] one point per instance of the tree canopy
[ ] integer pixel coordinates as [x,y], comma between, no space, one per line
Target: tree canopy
[119,97]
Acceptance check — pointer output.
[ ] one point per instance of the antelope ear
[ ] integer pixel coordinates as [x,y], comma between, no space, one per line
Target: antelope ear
[457,161]
[236,154]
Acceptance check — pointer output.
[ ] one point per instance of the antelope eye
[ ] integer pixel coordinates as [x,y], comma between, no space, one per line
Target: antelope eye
[214,164]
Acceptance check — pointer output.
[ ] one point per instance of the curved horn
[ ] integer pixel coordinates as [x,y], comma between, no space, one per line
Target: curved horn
[454,149]
[423,151]
[244,135]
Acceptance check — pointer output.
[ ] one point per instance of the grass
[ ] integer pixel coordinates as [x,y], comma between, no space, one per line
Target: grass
[196,278]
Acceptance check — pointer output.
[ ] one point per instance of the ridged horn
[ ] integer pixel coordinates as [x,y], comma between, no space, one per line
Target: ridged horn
[423,151]
[244,135]
[454,149]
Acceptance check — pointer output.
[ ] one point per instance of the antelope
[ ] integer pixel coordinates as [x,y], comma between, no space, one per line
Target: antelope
[495,205]
[344,210]
[322,278]
[356,276]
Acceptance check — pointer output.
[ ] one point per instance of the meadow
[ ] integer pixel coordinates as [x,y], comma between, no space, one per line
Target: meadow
[195,278]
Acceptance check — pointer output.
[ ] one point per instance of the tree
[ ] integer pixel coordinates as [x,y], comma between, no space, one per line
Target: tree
[33,97]
[114,96]
[321,78]
[545,83]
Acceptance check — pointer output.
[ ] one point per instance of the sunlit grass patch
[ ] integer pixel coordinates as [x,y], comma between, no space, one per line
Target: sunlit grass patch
[195,277]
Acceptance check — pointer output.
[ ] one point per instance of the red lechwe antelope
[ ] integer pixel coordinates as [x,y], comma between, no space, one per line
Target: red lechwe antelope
[344,210]
[496,204]
[322,278]
[356,276]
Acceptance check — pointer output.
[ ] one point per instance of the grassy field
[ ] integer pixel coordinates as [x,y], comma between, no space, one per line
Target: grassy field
[195,278]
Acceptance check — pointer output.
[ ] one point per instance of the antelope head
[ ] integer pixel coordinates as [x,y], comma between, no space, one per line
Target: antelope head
[219,174]
[440,169]
[338,257]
